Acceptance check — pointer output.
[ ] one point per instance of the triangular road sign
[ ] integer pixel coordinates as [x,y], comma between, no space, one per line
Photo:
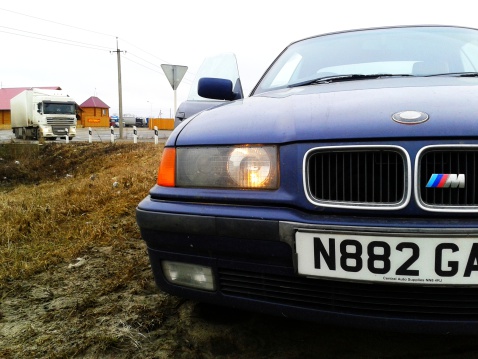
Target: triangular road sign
[174,73]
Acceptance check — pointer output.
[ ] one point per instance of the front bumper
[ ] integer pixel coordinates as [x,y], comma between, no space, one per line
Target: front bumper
[252,254]
[49,131]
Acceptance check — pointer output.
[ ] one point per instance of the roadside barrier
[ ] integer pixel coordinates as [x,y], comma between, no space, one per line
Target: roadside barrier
[112,136]
[92,134]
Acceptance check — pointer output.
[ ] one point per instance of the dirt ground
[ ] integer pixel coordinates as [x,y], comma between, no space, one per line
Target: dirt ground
[72,311]
[103,302]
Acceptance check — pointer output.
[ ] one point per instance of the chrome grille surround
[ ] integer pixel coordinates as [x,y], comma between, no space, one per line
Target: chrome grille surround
[447,159]
[364,177]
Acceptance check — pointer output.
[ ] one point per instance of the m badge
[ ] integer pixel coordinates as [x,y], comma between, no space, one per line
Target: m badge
[446,181]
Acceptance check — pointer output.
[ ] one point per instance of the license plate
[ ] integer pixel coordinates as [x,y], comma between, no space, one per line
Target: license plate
[388,258]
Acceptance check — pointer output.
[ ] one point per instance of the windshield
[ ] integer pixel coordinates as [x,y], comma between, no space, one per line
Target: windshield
[403,51]
[59,108]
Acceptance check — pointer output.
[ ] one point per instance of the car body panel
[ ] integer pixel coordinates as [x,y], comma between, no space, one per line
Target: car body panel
[310,113]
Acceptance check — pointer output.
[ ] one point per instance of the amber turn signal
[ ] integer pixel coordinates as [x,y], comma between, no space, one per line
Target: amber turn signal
[167,168]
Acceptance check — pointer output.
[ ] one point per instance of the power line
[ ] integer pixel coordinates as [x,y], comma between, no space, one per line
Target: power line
[53,39]
[38,36]
[56,22]
[63,41]
[146,52]
[157,71]
[148,62]
[150,54]
[78,43]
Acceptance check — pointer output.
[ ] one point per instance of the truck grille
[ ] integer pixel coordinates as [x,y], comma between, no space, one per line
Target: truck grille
[64,122]
[358,176]
[380,300]
[455,170]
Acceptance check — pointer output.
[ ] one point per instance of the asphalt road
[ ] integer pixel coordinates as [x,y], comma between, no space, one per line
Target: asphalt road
[102,135]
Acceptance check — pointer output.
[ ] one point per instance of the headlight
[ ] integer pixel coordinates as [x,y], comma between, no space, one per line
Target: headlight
[249,167]
[245,167]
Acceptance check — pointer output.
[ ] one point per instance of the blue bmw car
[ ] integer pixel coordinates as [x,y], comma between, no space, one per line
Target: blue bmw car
[343,190]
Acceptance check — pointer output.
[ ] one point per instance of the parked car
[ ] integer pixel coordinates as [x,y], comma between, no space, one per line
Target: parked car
[223,66]
[344,189]
[140,122]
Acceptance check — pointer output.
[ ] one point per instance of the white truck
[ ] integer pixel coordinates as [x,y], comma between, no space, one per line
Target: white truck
[129,120]
[40,113]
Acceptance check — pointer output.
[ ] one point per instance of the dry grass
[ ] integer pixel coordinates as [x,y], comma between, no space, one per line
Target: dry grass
[59,200]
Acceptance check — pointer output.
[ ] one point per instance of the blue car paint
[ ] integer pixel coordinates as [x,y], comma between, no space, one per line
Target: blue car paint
[364,109]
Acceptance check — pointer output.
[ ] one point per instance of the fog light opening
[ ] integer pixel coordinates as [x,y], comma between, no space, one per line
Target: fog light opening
[189,275]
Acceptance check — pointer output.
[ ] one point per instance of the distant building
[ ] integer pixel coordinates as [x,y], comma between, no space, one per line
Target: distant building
[94,113]
[6,94]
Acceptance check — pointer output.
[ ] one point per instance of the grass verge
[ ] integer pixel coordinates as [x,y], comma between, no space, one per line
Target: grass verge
[62,199]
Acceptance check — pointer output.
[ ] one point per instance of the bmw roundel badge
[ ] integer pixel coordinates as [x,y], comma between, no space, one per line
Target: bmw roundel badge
[410,117]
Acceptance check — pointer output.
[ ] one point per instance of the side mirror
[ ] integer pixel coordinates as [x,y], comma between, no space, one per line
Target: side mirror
[217,89]
[180,115]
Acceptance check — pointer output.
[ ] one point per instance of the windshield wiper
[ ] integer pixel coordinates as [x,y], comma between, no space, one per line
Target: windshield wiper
[466,74]
[456,74]
[339,78]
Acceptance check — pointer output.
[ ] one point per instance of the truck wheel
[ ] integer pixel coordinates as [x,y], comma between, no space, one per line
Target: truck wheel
[24,133]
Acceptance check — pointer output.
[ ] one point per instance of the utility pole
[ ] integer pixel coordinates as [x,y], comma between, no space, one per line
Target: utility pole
[120,91]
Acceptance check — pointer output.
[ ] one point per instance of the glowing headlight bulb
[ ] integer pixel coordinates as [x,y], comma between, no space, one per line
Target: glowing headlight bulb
[249,167]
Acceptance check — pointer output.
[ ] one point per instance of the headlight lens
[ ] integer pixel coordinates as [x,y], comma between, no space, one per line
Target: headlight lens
[245,167]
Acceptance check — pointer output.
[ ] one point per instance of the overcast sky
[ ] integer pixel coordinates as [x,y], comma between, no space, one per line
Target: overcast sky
[70,43]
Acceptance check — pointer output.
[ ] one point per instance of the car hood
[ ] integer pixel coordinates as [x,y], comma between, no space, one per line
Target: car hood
[340,111]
